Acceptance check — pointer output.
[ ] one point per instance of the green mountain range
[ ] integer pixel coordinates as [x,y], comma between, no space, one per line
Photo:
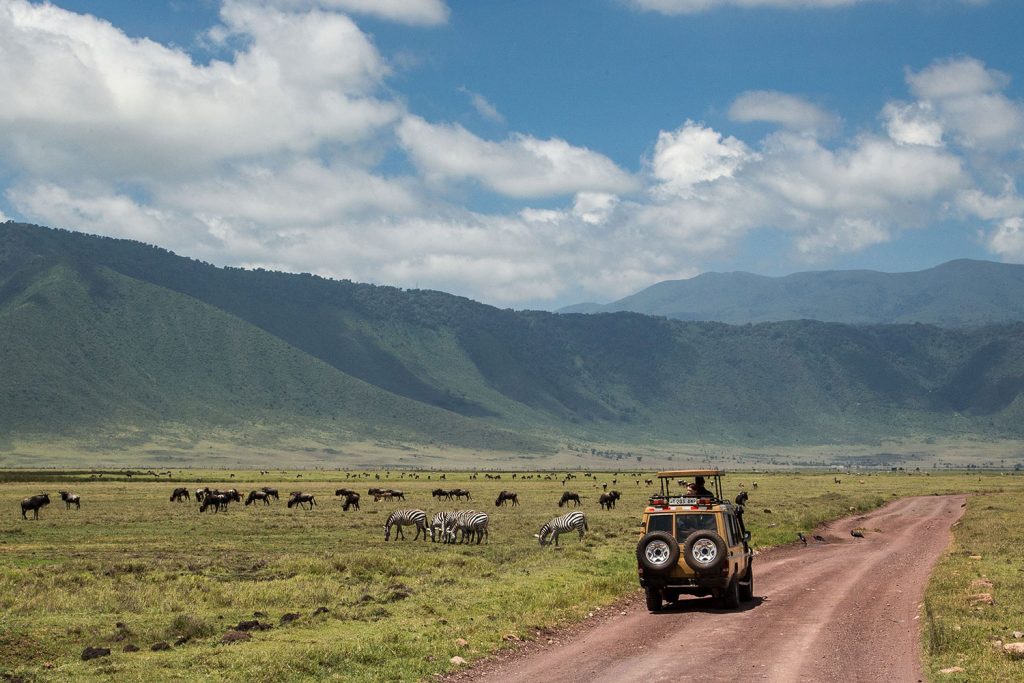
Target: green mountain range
[958,293]
[113,339]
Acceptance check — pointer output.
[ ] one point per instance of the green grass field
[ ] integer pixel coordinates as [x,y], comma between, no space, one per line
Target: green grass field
[396,609]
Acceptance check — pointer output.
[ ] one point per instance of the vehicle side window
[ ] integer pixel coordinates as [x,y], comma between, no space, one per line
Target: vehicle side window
[687,524]
[734,534]
[659,523]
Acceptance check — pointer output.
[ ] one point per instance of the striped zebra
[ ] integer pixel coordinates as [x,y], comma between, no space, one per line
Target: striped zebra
[470,523]
[567,522]
[400,518]
[438,523]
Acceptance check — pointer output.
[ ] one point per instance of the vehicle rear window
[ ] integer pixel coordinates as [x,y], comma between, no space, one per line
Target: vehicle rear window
[687,524]
[660,523]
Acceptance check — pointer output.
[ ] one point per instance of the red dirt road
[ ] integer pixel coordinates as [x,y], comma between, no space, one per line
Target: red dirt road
[843,610]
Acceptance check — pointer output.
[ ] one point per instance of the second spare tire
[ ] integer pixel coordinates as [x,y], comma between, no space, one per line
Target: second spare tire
[705,552]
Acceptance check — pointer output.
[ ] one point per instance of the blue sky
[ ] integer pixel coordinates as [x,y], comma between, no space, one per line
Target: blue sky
[529,153]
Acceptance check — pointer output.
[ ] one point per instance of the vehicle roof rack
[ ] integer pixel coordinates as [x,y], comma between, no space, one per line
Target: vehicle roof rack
[671,474]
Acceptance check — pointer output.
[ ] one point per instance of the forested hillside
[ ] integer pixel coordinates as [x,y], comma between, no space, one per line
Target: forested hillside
[121,337]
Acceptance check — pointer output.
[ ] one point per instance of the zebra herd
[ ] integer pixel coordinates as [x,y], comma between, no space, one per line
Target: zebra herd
[462,526]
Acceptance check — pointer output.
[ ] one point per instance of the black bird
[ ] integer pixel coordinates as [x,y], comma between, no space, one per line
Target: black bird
[856,534]
[803,539]
[819,539]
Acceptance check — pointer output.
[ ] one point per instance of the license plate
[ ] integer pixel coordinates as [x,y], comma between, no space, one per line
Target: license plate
[682,501]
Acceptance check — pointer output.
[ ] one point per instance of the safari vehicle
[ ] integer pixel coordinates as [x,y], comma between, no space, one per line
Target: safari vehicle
[694,543]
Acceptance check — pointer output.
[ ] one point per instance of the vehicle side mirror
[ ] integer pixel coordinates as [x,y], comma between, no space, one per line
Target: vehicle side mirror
[746,536]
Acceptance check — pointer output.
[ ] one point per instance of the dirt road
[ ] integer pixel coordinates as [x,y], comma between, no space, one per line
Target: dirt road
[841,610]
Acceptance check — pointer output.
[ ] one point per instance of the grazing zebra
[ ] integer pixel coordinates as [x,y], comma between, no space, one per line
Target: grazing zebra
[469,524]
[567,522]
[71,499]
[400,518]
[438,523]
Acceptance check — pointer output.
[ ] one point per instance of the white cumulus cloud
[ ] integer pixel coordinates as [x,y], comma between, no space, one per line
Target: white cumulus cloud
[780,108]
[694,154]
[520,166]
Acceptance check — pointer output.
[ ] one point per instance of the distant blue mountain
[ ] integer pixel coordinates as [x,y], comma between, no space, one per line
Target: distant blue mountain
[955,294]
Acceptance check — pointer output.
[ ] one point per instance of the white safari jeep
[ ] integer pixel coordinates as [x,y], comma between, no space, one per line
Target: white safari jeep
[694,542]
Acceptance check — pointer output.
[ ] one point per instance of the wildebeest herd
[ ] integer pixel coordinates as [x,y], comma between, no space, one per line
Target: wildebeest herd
[455,526]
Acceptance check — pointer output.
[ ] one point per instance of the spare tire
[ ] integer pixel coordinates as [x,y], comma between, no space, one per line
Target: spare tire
[705,552]
[657,552]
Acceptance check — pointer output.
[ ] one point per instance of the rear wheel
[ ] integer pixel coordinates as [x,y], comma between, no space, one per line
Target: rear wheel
[731,595]
[747,587]
[653,599]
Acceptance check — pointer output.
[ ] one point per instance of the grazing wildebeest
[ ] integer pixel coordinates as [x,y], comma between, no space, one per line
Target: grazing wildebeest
[300,499]
[271,492]
[461,493]
[216,501]
[567,496]
[344,492]
[506,496]
[607,500]
[351,500]
[202,493]
[258,495]
[180,494]
[34,503]
[441,493]
[71,499]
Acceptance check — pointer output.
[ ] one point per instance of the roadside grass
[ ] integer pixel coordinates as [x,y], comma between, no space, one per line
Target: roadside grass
[962,630]
[395,610]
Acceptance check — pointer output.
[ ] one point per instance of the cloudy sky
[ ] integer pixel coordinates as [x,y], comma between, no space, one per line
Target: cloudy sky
[526,153]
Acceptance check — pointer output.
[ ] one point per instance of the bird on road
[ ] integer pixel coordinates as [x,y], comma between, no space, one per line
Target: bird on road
[857,534]
[803,539]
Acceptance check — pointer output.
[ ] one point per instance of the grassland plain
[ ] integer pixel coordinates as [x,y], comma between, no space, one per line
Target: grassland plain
[965,632]
[396,610]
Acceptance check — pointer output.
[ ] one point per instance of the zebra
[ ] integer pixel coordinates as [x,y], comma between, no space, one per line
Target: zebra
[567,522]
[438,522]
[400,518]
[471,523]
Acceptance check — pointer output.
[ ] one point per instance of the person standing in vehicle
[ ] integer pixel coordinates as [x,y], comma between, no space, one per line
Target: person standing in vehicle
[697,488]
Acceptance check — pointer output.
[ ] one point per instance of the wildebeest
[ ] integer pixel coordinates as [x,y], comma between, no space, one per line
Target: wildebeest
[506,496]
[258,495]
[180,494]
[459,494]
[216,501]
[351,500]
[567,496]
[271,492]
[441,493]
[607,500]
[742,498]
[344,492]
[34,503]
[300,499]
[202,493]
[71,499]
